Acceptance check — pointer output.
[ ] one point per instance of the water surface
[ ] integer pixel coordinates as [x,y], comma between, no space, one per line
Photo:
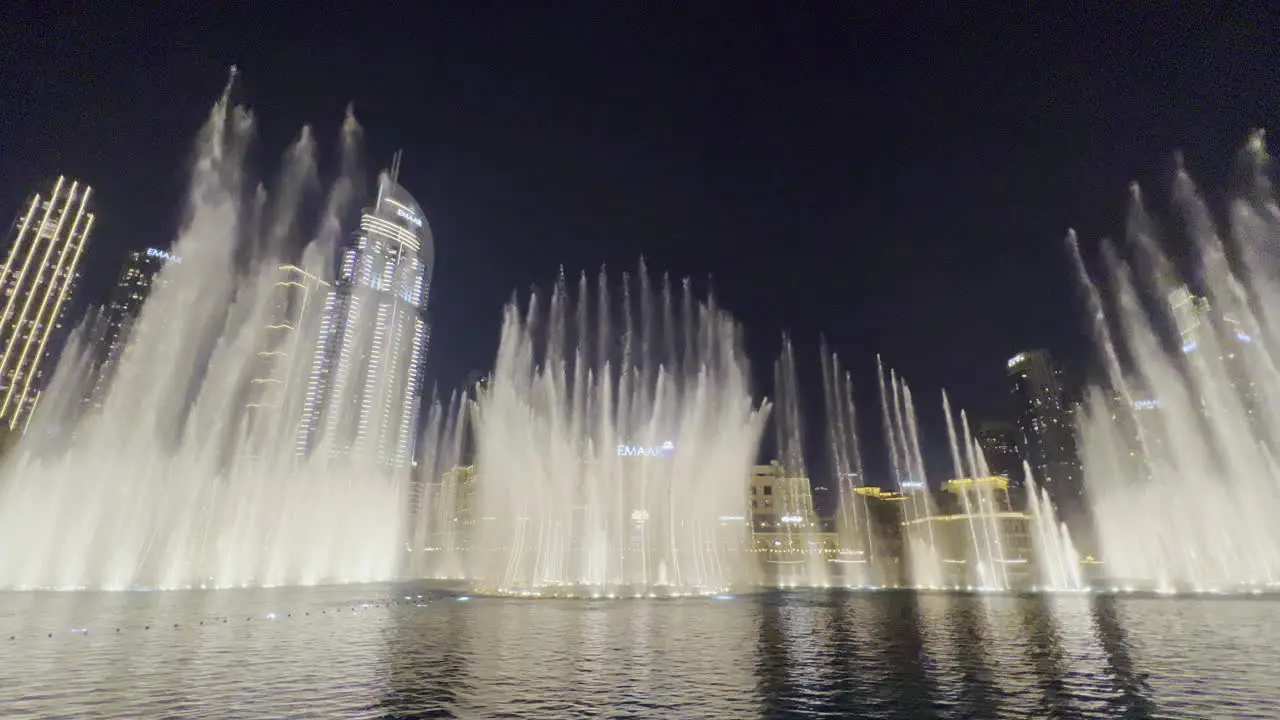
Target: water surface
[385,652]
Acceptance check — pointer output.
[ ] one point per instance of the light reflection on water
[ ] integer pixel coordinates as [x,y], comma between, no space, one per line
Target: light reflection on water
[367,652]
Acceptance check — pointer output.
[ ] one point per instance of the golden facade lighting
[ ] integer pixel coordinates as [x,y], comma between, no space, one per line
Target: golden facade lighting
[959,485]
[38,277]
[294,292]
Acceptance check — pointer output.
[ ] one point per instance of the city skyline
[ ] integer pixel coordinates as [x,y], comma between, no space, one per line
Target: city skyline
[861,184]
[401,224]
[1043,404]
[934,222]
[861,360]
[364,312]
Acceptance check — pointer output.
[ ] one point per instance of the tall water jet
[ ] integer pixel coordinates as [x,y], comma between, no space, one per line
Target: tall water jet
[797,557]
[615,442]
[187,476]
[921,544]
[859,552]
[1057,561]
[1179,443]
[440,517]
[983,501]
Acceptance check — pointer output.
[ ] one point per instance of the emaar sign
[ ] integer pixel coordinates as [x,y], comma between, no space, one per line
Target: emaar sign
[163,254]
[663,450]
[417,221]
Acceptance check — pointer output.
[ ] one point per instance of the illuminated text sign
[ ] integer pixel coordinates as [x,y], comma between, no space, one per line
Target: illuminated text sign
[163,254]
[409,216]
[662,450]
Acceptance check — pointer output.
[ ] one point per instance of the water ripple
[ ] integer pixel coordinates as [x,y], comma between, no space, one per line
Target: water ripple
[364,652]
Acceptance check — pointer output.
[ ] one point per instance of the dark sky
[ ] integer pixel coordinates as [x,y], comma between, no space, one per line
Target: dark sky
[900,180]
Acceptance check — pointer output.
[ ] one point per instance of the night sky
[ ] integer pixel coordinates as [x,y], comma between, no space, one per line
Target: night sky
[900,181]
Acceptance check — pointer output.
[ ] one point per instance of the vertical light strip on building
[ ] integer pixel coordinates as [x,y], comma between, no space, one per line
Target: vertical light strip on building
[18,246]
[18,329]
[36,299]
[13,253]
[62,281]
[56,312]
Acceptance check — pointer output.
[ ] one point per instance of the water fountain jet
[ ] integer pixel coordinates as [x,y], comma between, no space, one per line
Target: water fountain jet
[615,436]
[181,479]
[1179,440]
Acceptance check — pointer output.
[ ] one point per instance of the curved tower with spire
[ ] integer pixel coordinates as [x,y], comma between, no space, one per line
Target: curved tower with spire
[367,376]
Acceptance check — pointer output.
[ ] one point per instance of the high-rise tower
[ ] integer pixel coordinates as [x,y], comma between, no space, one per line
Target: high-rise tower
[365,381]
[1218,342]
[999,443]
[280,371]
[1046,429]
[132,289]
[38,276]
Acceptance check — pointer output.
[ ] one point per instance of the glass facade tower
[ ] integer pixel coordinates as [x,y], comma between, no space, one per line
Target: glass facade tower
[1046,429]
[365,380]
[132,288]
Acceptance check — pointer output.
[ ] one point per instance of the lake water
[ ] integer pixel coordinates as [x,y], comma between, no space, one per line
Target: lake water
[383,652]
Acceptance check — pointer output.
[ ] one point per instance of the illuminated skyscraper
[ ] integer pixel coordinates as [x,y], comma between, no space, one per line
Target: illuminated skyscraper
[365,381]
[38,276]
[1046,429]
[282,363]
[131,291]
[1204,330]
[295,293]
[999,443]
[1140,429]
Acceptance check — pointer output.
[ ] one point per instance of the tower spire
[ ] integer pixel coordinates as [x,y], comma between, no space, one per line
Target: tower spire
[395,166]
